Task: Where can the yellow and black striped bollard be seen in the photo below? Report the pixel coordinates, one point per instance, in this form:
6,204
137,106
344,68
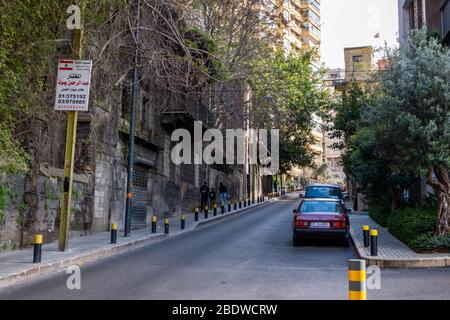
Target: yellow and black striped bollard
37,252
222,209
357,280
166,226
373,243
183,222
366,236
154,221
114,228
206,212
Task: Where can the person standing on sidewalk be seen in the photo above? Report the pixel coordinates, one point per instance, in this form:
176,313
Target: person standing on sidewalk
223,194
204,195
212,197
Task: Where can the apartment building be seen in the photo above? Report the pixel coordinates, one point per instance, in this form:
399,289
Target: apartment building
359,63
300,25
434,14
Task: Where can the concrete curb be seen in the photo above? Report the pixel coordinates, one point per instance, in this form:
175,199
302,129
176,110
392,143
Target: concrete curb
232,213
425,262
42,269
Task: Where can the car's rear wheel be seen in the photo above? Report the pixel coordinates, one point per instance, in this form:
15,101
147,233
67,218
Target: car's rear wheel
296,242
346,242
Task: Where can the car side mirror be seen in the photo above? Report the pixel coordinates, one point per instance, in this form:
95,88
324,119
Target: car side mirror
295,211
347,210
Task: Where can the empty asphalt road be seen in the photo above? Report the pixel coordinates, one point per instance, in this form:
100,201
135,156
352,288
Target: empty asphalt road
248,256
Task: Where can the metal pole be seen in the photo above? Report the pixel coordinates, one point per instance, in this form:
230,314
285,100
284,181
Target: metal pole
132,125
69,156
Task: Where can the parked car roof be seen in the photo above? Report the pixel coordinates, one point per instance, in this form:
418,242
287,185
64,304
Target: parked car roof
324,185
321,199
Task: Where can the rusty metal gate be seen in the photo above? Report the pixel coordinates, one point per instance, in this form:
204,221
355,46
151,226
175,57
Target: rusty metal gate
139,203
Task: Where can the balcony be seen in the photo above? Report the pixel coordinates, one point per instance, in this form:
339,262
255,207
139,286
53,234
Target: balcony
312,4
445,11
190,109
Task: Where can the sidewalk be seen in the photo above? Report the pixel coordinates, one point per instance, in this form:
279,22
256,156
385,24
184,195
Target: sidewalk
16,266
392,253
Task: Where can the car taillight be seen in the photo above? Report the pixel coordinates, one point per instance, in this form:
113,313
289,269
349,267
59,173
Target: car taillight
340,224
301,223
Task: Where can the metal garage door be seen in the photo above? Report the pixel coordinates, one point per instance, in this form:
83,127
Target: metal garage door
139,203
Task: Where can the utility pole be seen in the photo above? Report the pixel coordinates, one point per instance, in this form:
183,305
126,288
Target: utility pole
131,156
69,157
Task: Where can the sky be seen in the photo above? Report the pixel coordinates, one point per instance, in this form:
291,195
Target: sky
354,23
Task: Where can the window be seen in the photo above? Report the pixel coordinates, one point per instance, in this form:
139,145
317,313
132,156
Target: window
323,192
287,45
320,206
357,58
314,30
286,16
419,14
412,22
313,17
357,62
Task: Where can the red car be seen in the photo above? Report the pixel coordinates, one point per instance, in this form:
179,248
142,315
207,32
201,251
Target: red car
321,218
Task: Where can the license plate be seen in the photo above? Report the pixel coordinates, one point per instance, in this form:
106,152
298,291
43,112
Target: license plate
320,225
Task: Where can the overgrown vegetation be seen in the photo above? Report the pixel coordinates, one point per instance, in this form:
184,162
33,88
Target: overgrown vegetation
398,131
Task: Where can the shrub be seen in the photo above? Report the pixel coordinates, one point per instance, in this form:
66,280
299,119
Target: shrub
430,242
380,209
410,223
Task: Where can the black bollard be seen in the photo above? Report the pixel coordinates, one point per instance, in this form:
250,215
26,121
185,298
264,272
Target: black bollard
166,226
154,220
222,209
37,252
183,222
114,233
196,214
215,210
206,212
366,236
373,242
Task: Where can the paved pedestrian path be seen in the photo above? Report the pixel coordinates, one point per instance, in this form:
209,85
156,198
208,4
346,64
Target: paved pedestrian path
391,251
17,266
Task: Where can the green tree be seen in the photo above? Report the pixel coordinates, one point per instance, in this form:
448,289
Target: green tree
411,117
286,95
361,157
